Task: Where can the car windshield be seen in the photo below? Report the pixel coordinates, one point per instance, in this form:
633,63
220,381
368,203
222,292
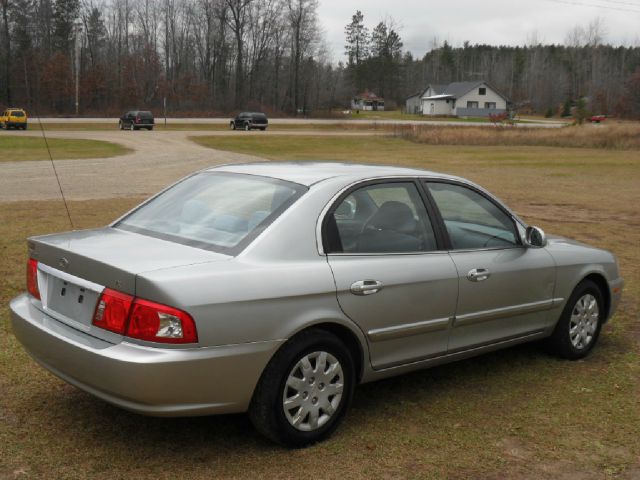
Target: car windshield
223,212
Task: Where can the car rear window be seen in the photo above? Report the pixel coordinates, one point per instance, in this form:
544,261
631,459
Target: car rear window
259,116
222,212
145,115
17,113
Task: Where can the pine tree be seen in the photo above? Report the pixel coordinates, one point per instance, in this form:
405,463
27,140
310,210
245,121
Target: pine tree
65,14
357,50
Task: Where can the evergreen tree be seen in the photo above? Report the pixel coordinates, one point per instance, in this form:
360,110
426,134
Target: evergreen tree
357,50
65,14
96,34
386,59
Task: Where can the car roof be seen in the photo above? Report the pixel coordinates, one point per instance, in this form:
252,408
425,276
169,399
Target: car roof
308,173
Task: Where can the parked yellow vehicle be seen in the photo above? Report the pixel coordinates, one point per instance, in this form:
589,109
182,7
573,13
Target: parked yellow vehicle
13,118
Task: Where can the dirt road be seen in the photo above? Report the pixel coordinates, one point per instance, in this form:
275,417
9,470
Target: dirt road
158,159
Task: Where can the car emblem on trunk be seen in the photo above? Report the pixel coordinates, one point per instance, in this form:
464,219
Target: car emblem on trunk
63,263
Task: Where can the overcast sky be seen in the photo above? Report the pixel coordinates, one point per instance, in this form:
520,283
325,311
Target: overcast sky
506,22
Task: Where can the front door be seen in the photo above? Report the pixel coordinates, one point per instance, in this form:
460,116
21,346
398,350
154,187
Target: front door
392,277
505,288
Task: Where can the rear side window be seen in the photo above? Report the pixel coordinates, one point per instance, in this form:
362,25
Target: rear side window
471,219
380,218
17,114
216,211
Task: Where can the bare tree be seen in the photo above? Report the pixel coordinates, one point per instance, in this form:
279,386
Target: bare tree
303,22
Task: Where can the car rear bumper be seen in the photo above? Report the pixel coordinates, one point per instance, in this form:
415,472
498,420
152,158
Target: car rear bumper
147,380
16,124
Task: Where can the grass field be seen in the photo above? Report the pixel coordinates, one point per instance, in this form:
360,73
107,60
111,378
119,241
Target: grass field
518,413
15,148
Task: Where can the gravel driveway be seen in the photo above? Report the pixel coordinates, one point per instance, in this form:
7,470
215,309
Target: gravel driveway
158,159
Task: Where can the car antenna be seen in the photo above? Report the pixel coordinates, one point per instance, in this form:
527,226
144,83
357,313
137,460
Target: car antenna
55,171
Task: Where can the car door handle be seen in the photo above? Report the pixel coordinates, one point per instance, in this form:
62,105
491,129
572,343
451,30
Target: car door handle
366,287
478,275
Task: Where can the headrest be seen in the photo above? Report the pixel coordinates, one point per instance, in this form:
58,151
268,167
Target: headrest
393,216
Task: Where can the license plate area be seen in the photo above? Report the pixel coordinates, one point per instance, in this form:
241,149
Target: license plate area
70,299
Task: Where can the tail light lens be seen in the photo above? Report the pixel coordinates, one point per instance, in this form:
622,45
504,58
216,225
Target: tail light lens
160,323
142,319
32,278
137,119
112,311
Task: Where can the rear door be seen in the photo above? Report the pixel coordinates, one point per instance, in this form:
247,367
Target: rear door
505,288
393,278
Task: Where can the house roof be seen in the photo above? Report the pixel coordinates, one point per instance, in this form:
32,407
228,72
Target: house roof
416,94
367,95
438,88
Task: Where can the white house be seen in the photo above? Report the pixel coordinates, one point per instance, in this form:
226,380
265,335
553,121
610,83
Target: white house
463,99
413,103
367,101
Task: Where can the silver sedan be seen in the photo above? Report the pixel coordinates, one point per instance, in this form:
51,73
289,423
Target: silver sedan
275,288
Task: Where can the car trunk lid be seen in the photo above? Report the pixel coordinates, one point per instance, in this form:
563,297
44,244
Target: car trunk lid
74,268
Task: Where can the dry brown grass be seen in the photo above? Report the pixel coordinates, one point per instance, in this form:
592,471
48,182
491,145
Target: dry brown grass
617,136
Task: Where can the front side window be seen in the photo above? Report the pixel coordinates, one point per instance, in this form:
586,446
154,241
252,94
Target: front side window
380,218
217,211
471,219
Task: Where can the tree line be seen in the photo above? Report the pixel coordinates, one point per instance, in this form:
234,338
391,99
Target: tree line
198,55
218,56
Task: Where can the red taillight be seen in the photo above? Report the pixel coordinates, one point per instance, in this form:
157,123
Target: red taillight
142,319
32,278
159,323
137,119
112,311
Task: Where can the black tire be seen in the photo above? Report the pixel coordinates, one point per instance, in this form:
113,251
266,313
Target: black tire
559,343
232,125
263,128
132,127
247,127
149,128
24,127
267,411
120,125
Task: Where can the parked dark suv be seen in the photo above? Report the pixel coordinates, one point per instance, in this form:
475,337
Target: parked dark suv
249,120
136,119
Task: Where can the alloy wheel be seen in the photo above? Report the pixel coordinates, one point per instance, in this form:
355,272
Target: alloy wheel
584,321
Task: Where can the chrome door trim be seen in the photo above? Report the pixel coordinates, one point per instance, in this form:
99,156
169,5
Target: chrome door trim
408,177
417,328
513,310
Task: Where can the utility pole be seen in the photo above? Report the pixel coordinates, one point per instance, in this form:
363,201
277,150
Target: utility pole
78,45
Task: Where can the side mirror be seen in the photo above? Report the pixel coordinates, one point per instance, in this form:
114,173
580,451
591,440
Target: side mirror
535,237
